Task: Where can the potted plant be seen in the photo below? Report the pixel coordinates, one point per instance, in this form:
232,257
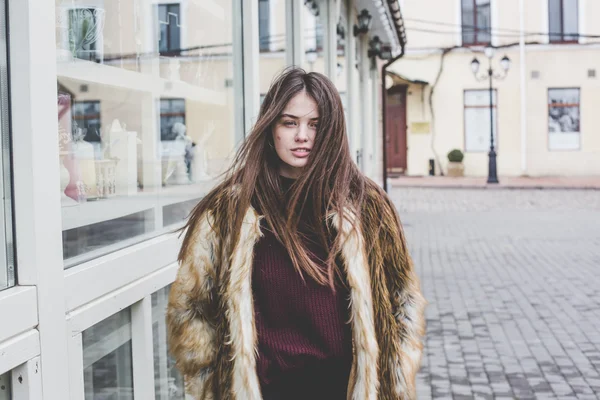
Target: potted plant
455,165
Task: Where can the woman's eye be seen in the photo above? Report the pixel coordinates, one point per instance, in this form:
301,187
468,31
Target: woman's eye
289,123
314,126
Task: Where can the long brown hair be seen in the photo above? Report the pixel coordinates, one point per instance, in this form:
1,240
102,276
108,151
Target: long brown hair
330,180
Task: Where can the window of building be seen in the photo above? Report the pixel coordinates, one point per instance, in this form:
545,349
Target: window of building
564,129
7,260
107,360
124,179
476,22
477,120
172,111
168,382
264,25
563,20
170,29
86,117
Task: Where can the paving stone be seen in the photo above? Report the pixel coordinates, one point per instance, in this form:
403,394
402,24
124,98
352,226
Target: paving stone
512,281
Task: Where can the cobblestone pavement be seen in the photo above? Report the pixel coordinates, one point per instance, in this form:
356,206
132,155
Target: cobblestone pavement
513,283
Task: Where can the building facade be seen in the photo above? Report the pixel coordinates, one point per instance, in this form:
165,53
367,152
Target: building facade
543,106
117,116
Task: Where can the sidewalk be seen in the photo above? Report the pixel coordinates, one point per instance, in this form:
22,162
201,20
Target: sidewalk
588,182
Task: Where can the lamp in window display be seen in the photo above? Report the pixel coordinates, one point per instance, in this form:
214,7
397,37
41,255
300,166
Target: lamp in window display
175,170
490,75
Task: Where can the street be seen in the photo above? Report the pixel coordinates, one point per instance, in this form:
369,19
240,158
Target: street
513,283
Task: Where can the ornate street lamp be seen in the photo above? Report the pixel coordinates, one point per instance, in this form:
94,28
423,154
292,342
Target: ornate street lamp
505,65
374,47
364,23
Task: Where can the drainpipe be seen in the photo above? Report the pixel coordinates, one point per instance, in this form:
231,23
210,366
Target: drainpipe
384,113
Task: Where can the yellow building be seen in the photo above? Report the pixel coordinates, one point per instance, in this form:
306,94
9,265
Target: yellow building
544,118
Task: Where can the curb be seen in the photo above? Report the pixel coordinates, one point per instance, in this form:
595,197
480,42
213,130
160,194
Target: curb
495,187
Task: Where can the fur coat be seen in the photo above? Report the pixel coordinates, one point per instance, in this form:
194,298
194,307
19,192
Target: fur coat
211,327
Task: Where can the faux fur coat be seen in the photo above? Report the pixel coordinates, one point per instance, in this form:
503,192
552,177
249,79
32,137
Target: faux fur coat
211,326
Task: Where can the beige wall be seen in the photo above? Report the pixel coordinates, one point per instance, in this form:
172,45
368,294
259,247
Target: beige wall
558,66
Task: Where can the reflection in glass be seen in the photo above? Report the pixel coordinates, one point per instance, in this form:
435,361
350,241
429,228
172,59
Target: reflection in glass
168,382
146,110
107,361
7,262
5,389
272,39
313,42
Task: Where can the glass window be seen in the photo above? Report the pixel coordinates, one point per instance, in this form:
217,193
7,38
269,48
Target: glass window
477,120
314,31
146,115
272,39
341,71
476,21
564,20
168,382
564,128
7,261
5,389
107,361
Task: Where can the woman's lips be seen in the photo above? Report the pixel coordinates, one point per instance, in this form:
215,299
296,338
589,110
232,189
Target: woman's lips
299,153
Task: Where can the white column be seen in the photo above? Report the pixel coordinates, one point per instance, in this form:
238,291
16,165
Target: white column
142,349
238,73
37,180
523,73
331,19
251,58
364,98
294,32
351,82
27,381
375,131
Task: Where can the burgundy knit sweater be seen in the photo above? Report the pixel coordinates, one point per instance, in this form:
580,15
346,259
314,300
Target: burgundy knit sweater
304,338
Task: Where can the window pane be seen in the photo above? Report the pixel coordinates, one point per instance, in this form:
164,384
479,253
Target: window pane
563,119
5,389
272,33
555,20
146,111
468,22
477,121
571,19
484,21
264,25
7,262
312,25
168,382
107,361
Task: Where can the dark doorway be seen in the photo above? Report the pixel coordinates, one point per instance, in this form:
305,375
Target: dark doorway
395,135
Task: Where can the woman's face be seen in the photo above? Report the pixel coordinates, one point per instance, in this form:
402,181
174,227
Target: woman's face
294,134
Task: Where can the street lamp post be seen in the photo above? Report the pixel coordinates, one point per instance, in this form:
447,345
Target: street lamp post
505,65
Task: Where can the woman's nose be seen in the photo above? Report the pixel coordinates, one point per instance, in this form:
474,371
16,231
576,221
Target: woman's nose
302,135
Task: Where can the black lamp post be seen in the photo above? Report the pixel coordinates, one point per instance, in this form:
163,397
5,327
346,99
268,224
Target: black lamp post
505,65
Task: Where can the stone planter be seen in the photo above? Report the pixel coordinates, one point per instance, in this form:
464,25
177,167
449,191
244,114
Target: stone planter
456,169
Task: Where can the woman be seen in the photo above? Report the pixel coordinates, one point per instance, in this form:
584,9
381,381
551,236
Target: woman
295,279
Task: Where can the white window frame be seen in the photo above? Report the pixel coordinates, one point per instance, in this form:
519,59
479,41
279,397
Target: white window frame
44,336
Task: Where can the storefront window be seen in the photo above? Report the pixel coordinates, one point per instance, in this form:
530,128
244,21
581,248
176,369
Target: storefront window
146,113
168,382
7,263
5,389
107,361
314,37
272,39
